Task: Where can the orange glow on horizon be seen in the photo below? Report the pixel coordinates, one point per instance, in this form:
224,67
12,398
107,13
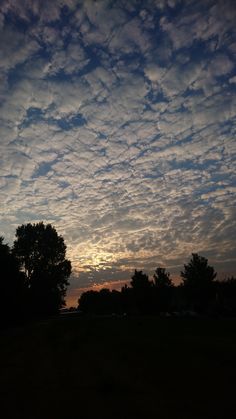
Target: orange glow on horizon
73,295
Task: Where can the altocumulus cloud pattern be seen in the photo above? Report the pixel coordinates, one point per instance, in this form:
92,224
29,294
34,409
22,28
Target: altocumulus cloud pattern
118,126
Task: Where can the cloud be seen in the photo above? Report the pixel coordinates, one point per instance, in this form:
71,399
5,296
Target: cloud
15,50
117,126
232,79
71,60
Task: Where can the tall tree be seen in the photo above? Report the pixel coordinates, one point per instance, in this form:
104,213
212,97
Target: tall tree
140,281
41,253
197,271
198,279
142,291
163,290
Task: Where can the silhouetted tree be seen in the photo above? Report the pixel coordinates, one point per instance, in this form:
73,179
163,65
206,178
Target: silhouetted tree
198,279
41,255
162,290
100,302
226,296
128,300
88,302
162,278
198,271
140,281
11,284
142,291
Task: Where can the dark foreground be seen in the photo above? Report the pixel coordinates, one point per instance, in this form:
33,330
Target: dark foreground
79,367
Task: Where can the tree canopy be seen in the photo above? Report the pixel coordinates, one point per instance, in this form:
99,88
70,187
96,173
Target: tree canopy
162,278
197,271
140,281
41,254
198,284
11,281
34,277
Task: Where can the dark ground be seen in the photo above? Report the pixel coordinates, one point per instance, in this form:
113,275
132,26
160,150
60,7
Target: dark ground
116,368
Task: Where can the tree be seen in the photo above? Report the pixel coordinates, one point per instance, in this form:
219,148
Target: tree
197,271
163,288
11,284
100,302
140,281
226,296
88,302
198,279
142,292
162,278
41,254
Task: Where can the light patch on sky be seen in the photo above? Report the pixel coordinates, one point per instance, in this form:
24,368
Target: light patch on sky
117,125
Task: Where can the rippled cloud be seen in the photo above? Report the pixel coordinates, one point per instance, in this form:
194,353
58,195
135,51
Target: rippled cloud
118,126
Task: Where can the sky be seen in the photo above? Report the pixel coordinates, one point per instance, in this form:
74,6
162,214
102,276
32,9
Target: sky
117,126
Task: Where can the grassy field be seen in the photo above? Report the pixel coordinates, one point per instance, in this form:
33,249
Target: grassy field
81,367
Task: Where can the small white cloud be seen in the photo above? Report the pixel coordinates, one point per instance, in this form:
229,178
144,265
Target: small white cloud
232,79
155,73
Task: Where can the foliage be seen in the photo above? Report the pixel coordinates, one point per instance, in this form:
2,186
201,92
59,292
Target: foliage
198,279
35,272
226,296
199,293
41,256
142,292
163,285
162,278
100,302
140,281
197,271
11,283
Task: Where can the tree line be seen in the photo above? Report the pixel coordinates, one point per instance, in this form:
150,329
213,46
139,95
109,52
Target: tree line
198,293
34,278
34,273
